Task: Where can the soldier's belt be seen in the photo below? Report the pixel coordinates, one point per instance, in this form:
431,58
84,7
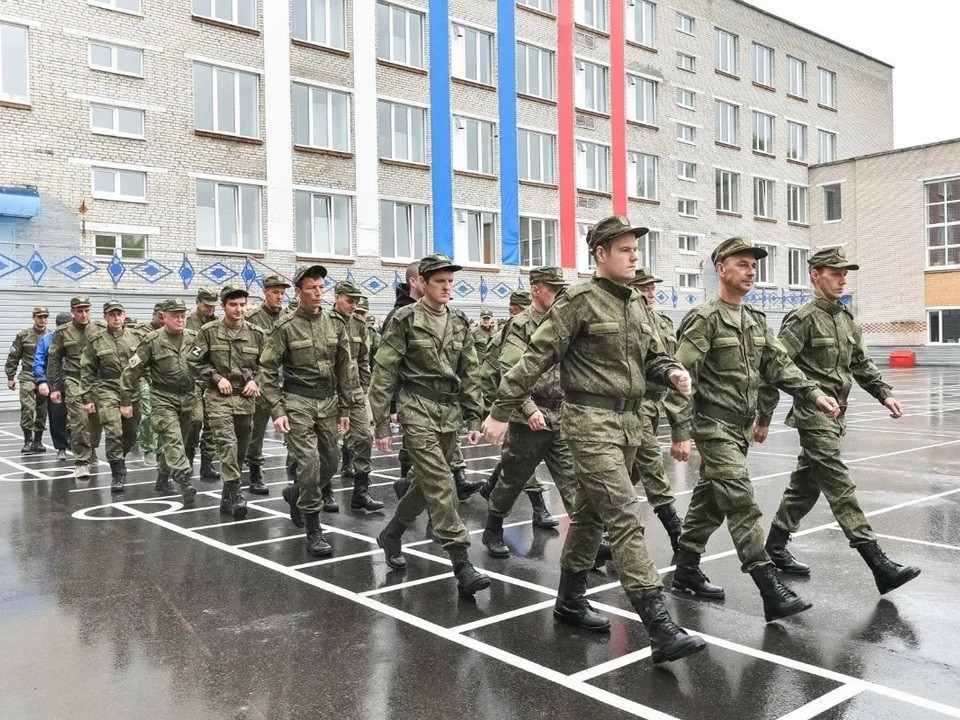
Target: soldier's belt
546,403
438,396
603,402
720,413
171,388
320,392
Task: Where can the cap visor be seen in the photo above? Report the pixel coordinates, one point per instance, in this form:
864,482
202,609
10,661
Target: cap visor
639,231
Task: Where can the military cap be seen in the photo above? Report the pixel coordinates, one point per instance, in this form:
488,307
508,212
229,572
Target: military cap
548,276
81,301
832,258
735,245
208,296
350,289
371,319
228,292
294,303
486,312
363,305
129,321
309,271
111,305
158,306
521,298
40,311
63,318
174,305
645,276
435,263
274,281
611,228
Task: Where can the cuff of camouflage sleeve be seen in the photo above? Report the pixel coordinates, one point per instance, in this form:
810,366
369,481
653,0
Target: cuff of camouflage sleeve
679,433
884,395
764,420
815,395
279,411
500,413
382,430
528,407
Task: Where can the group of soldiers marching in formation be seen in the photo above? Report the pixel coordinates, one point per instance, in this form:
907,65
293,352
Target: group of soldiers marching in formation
577,378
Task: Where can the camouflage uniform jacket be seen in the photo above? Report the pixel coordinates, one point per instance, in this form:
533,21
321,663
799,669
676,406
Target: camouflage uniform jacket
359,346
490,373
373,342
411,355
520,331
482,339
265,318
237,358
196,320
21,353
172,371
309,354
600,334
825,342
727,364
103,363
66,349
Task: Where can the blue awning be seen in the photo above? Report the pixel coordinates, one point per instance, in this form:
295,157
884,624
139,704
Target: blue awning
19,202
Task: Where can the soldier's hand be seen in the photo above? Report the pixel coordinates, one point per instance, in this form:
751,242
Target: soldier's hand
829,406
760,433
56,397
225,387
126,411
681,381
385,444
11,384
343,427
473,436
43,389
680,450
90,408
495,430
281,425
251,389
393,418
537,421
895,408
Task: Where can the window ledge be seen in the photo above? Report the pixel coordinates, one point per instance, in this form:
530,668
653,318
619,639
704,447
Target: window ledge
759,218
401,66
794,223
535,98
594,193
832,222
720,143
686,179
827,107
593,113
226,136
317,46
761,153
404,163
641,46
645,201
474,174
536,11
15,105
728,213
641,124
537,184
798,162
232,252
322,151
225,25
582,274
726,74
397,262
106,133
473,83
593,30
338,259
763,86
111,71
133,201
797,97
688,252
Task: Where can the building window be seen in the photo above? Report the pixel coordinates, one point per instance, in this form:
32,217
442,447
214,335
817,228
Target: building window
403,230
593,166
130,6
726,46
591,86
472,52
687,243
125,247
688,279
118,59
727,122
543,5
686,207
763,197
686,170
235,12
686,98
796,77
536,153
643,175
586,262
828,88
124,185
798,272
322,22
228,215
647,247
476,231
831,202
321,118
944,326
728,191
226,101
796,203
685,23
686,133
641,100
592,13
797,141
762,132
535,71
766,267
538,240
686,62
14,63
115,120
473,145
763,64
828,146
323,224
641,22
401,132
943,223
399,35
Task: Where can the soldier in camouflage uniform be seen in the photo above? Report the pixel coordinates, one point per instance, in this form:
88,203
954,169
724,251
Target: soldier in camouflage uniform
266,318
33,405
164,355
728,349
207,299
370,322
228,355
100,368
63,367
599,333
483,334
428,353
310,381
147,439
825,342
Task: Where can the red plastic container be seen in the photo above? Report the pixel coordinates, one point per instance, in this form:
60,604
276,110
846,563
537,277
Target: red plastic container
903,359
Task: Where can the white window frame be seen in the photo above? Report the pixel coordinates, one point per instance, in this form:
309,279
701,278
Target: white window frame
530,170
115,50
767,267
796,141
682,129
22,64
764,190
686,62
198,8
545,71
243,107
797,271
593,163
687,170
828,205
727,47
586,263
332,244
948,224
648,247
592,78
410,19
117,193
116,112
828,145
688,279
477,250
113,5
641,99
763,132
688,244
938,311
727,123
333,118
408,210
330,30
467,47
479,158
598,8
641,22
684,205
541,5
118,249
797,204
796,77
642,171
727,190
828,88
686,93
244,205
763,64
548,241
685,23
411,146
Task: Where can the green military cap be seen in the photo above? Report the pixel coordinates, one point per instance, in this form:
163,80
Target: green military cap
547,276
363,305
435,263
735,245
129,321
208,296
831,258
158,306
611,228
111,305
41,311
521,298
350,289
81,301
228,292
174,305
645,276
371,319
274,281
486,312
311,271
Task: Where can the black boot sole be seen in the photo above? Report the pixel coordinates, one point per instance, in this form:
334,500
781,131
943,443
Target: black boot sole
296,517
375,506
189,494
545,524
685,589
474,586
903,579
576,621
321,551
794,608
258,490
117,488
330,508
690,645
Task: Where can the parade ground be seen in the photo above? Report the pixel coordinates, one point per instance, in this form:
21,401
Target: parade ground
129,606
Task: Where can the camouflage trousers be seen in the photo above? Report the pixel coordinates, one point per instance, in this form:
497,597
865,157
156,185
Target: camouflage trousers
607,498
312,446
230,421
120,433
523,450
359,440
261,418
820,470
648,469
85,428
33,407
432,488
173,422
724,492
203,434
146,439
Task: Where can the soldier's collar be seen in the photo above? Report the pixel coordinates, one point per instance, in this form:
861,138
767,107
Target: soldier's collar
829,306
625,292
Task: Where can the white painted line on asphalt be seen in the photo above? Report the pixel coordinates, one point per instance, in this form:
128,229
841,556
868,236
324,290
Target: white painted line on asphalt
328,561
409,583
24,469
494,619
610,665
268,541
234,523
917,542
824,702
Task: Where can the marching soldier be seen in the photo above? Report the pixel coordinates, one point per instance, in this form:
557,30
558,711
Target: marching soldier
483,334
56,412
206,312
33,405
370,321
147,439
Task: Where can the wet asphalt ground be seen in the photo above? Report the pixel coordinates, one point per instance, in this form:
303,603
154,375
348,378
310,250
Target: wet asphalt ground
131,607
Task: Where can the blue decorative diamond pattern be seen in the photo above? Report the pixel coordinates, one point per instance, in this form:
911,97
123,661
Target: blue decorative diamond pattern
151,271
187,273
463,288
520,284
115,269
75,267
691,299
8,265
501,290
249,274
349,277
752,298
218,273
37,267
662,297
373,285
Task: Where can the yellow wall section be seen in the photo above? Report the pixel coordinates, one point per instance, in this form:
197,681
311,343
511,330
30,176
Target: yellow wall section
942,289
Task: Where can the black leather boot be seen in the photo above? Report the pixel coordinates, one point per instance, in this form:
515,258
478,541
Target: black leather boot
316,543
187,491
572,606
207,470
401,485
493,537
887,574
361,499
389,540
118,471
163,484
671,523
291,471
330,504
232,501
668,641
689,578
27,441
291,493
779,601
486,489
346,462
541,516
38,446
604,553
256,481
465,488
469,580
776,547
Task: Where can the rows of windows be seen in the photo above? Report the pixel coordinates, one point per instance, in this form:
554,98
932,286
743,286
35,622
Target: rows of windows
943,223
726,130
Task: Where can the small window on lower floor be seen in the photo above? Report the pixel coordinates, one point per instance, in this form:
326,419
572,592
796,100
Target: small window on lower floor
944,326
831,202
689,279
126,247
686,207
